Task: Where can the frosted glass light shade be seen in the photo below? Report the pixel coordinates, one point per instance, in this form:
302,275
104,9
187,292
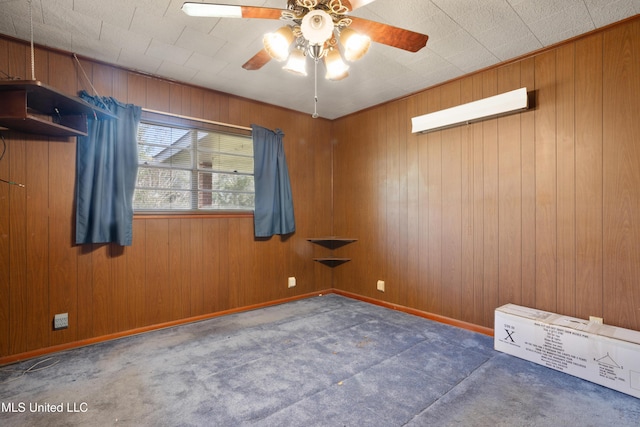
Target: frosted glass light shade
355,44
317,27
277,44
297,63
336,67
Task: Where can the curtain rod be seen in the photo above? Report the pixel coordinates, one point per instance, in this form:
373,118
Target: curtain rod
180,116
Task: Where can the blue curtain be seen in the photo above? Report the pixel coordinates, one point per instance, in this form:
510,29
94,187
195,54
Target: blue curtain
106,170
274,202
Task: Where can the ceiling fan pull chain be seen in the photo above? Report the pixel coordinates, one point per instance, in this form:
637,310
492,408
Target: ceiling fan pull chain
315,96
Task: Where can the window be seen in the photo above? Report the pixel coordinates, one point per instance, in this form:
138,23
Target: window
188,165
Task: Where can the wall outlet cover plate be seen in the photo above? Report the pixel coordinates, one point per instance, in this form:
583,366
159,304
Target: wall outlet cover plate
60,321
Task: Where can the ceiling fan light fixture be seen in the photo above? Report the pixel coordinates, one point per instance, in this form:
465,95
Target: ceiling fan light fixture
355,44
336,67
317,27
212,10
277,44
297,63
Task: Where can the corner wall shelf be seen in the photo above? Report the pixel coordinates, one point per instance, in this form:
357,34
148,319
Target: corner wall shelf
32,107
332,242
332,261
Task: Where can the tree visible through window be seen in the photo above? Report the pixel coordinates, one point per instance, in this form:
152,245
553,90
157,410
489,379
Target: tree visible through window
193,166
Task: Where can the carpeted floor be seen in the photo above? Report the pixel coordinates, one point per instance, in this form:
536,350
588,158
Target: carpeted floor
323,361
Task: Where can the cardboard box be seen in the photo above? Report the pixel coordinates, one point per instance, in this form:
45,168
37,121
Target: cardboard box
603,354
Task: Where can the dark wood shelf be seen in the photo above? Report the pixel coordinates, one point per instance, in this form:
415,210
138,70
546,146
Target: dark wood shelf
332,261
332,242
32,107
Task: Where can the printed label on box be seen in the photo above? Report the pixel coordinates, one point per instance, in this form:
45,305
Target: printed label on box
570,345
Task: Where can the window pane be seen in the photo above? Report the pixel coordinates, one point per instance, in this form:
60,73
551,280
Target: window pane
219,201
233,191
225,143
153,199
225,163
163,145
168,157
188,168
163,178
225,153
163,136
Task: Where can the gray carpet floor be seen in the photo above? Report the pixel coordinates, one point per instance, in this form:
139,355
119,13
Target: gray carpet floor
322,361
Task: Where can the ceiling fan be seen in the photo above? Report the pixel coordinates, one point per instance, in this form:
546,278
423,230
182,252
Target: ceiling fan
320,29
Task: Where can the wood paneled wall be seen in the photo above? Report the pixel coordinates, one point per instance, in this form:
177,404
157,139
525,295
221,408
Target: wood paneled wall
540,208
176,268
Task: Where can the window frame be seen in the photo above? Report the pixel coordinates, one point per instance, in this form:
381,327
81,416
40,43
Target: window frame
167,119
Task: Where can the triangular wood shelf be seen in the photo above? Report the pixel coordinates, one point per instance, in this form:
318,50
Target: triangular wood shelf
332,261
332,242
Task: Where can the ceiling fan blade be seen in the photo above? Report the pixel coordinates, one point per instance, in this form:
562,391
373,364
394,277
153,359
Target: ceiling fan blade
261,12
354,4
215,10
389,35
258,61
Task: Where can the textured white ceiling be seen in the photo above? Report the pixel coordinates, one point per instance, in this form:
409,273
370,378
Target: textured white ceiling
155,37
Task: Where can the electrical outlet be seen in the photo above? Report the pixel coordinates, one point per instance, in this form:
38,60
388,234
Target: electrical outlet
60,321
380,285
292,282
594,319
